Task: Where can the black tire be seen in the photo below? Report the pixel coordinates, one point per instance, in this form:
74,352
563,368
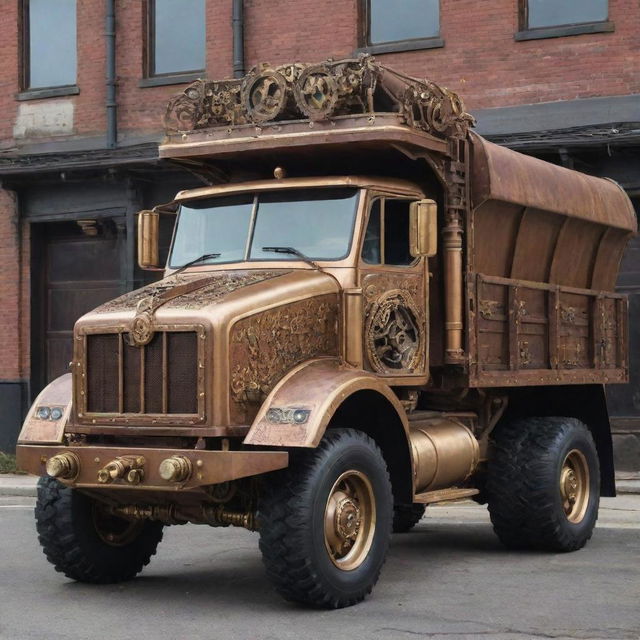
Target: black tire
407,516
532,500
297,552
73,532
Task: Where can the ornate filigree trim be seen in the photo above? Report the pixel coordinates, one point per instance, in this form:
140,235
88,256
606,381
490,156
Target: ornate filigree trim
267,345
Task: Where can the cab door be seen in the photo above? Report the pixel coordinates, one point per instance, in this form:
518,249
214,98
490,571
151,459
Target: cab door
395,295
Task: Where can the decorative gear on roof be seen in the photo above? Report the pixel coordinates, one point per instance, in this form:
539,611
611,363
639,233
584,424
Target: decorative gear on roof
318,92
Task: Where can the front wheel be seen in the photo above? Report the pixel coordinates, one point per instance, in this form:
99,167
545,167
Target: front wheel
85,542
325,522
543,484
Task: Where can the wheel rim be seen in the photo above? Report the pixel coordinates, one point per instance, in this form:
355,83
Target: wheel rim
574,485
349,520
114,531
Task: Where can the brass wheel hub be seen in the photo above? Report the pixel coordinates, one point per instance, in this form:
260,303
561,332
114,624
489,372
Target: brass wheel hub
574,486
349,520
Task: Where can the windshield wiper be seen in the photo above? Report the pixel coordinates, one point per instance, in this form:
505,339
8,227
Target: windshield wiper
294,252
202,258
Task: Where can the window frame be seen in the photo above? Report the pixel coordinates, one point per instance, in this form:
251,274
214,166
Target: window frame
26,92
557,31
150,77
383,264
410,44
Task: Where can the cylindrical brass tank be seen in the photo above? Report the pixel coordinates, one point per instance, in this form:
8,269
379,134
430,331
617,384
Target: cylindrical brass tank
445,453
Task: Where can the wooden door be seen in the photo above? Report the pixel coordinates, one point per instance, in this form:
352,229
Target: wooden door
77,270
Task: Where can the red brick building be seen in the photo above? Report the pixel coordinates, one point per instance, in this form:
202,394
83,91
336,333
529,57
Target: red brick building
84,83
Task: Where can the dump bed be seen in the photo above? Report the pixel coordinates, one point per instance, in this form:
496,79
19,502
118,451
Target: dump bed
546,245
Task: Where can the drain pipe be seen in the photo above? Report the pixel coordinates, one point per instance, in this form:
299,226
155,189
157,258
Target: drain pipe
110,33
238,38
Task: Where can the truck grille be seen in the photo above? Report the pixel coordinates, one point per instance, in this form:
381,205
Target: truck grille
158,378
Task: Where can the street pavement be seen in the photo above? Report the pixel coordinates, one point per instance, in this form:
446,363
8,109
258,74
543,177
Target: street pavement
450,578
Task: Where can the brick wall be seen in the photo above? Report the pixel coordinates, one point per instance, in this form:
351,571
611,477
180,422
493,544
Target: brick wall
480,58
14,292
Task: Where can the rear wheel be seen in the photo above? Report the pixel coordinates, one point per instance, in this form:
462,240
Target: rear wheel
325,521
543,484
87,543
407,516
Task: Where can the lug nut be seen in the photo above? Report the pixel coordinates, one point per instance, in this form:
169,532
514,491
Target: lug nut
175,469
64,465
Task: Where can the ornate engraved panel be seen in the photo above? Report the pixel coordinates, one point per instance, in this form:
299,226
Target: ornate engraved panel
267,345
395,331
205,290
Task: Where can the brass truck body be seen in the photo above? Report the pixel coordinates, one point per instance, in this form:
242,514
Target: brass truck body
441,299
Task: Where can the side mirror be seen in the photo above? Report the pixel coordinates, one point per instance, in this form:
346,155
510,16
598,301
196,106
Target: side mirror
148,240
423,228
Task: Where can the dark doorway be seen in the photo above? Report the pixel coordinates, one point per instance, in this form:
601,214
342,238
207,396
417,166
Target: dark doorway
76,266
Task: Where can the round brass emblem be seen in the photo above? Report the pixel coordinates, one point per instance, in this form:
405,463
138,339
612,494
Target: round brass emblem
141,331
393,333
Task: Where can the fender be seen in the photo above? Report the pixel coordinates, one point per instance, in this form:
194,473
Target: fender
315,389
56,395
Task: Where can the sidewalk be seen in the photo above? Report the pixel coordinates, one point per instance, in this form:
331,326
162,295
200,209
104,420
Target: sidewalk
15,485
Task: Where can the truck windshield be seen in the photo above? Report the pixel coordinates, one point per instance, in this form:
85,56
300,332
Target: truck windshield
317,222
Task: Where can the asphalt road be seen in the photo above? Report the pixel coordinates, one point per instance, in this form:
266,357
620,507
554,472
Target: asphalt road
450,578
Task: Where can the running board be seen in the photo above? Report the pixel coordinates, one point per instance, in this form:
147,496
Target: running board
442,495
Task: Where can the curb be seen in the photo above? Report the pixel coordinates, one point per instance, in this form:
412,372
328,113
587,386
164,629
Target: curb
26,486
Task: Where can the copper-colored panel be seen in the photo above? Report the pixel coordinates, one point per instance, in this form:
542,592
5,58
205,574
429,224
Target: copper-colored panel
496,228
607,264
535,245
504,175
575,254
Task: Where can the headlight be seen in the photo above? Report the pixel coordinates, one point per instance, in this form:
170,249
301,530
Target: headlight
289,415
43,413
300,416
56,413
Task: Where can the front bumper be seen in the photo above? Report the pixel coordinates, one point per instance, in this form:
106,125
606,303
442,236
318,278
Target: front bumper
204,467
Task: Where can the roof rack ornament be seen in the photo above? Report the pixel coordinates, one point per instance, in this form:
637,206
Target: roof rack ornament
317,92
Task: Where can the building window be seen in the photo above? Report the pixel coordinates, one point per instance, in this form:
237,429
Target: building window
553,18
176,38
49,43
390,25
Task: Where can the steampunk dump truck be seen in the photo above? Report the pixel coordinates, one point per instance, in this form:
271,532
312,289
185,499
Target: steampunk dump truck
367,309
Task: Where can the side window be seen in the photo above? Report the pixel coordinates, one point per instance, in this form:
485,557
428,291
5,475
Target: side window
386,239
396,232
48,43
176,37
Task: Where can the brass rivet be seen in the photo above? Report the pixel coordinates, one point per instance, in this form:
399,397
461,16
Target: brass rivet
199,463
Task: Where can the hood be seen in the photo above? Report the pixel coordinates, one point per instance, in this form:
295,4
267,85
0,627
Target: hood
212,295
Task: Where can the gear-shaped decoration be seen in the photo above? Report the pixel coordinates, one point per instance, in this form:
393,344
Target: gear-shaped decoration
316,92
393,334
265,95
